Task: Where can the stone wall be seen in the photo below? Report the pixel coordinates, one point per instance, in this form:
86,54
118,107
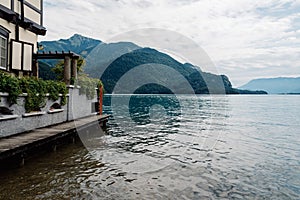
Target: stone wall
77,106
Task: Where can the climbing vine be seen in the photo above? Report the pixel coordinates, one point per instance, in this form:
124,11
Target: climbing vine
10,84
36,90
88,85
56,88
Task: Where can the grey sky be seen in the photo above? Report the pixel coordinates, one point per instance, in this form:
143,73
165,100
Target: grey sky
245,39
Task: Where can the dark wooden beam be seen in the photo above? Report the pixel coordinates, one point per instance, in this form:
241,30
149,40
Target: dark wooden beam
42,12
32,7
12,5
7,14
22,10
56,55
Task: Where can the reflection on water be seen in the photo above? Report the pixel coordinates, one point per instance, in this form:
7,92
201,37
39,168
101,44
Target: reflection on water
144,108
168,147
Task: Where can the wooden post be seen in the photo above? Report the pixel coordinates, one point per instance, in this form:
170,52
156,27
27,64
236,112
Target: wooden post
22,161
35,69
74,69
67,70
100,100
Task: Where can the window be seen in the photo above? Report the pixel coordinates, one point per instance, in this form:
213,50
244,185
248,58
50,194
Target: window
3,52
21,55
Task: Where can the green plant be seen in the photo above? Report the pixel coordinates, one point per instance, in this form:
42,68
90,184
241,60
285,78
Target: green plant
36,93
35,88
10,85
88,85
55,88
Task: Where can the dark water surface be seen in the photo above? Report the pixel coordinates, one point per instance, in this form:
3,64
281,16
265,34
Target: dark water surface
167,147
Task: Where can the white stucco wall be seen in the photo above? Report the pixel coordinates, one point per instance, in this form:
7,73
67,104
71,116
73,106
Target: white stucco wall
35,3
27,36
5,3
10,27
32,15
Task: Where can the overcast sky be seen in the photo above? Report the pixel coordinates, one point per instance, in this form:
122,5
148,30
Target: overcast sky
245,39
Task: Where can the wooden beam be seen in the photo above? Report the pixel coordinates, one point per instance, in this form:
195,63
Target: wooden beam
54,55
35,69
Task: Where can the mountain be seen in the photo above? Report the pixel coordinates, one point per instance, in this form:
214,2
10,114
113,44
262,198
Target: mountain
274,85
94,51
162,69
104,54
110,62
77,43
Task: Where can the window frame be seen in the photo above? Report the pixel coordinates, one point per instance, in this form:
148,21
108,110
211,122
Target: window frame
6,52
22,43
4,33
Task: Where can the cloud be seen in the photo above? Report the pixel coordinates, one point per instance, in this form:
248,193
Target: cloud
239,35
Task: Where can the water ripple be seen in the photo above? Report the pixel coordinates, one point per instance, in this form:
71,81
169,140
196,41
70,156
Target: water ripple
230,147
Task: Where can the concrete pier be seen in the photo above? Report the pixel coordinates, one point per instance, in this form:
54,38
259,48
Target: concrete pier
16,147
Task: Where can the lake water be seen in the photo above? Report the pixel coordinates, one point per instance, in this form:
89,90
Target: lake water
167,147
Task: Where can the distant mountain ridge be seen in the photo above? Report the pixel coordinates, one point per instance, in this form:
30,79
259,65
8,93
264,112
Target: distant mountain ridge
277,85
197,79
111,61
104,54
85,47
78,44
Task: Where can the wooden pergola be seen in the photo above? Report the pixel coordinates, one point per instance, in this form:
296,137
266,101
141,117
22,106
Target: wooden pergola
70,63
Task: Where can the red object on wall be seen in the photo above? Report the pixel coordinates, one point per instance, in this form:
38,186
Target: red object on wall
100,100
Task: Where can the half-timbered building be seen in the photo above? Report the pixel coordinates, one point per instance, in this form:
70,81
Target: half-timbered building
21,22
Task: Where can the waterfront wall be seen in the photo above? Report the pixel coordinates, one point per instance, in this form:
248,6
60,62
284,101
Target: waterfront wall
79,105
19,121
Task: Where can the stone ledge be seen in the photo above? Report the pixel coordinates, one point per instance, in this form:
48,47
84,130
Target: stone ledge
55,111
8,117
4,94
33,114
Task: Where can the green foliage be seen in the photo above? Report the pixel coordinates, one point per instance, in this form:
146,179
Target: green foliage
59,70
55,88
88,85
10,84
45,71
36,93
35,88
